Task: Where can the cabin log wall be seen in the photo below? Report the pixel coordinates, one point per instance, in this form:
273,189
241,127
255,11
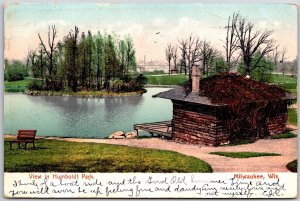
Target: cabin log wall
200,124
197,125
277,124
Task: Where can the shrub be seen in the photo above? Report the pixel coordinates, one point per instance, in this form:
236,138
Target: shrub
15,71
292,166
244,154
141,81
284,136
14,76
117,85
36,85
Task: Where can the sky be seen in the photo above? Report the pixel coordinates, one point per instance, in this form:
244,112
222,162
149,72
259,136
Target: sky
23,22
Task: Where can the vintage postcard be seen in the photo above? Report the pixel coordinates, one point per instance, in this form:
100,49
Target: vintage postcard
149,100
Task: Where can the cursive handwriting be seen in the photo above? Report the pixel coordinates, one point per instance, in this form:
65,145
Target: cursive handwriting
143,185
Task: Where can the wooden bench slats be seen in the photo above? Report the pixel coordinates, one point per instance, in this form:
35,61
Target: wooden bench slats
29,134
24,136
26,131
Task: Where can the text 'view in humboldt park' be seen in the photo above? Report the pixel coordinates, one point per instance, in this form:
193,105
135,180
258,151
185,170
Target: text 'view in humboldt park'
150,87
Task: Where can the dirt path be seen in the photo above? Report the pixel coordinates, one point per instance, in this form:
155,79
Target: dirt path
286,147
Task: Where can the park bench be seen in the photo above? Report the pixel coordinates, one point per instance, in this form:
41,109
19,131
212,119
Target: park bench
23,138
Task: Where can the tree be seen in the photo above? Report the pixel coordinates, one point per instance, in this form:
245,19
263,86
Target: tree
61,66
86,61
122,55
41,62
71,59
208,53
219,65
275,57
32,58
126,57
168,52
250,42
50,51
174,56
100,59
294,67
90,46
83,60
82,63
130,55
263,70
282,60
230,44
112,69
191,54
183,64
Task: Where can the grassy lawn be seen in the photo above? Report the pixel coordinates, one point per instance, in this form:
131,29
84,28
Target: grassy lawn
62,156
167,79
292,166
284,79
17,86
292,116
284,136
156,72
287,82
243,154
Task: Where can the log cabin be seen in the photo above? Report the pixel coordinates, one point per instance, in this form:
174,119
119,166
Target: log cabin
225,108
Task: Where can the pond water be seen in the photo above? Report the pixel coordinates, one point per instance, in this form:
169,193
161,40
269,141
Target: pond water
82,117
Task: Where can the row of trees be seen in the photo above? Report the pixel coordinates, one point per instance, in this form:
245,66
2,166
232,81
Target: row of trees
83,61
249,50
193,50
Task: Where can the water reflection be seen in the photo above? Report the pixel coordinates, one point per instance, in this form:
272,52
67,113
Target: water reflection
120,108
82,117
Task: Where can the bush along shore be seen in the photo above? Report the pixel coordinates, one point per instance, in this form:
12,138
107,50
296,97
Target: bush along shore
88,94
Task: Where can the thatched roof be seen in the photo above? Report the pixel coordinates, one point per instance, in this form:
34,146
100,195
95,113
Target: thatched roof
228,89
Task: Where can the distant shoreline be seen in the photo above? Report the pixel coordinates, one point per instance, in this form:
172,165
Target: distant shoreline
160,86
8,90
85,94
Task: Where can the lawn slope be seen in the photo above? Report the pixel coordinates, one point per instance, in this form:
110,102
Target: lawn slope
62,156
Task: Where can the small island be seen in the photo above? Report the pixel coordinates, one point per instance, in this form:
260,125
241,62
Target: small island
83,65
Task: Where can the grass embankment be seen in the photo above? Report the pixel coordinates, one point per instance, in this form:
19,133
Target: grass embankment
17,86
292,116
166,79
287,82
292,166
156,72
21,86
243,154
290,84
284,136
62,156
280,136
